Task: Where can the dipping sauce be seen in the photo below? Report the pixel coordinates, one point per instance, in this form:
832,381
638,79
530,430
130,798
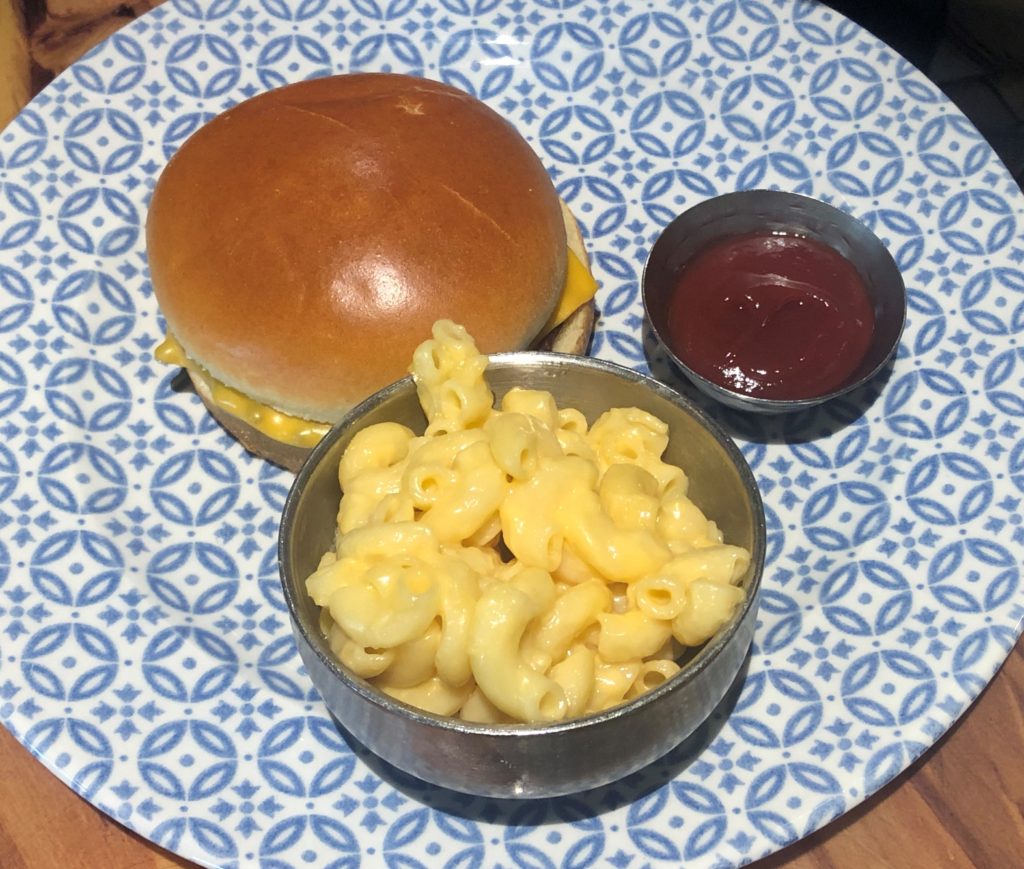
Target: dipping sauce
771,316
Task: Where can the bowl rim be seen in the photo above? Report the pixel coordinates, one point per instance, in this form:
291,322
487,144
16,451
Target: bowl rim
742,400
689,672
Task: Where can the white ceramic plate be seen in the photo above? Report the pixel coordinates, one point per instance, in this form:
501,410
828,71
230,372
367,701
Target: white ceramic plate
146,655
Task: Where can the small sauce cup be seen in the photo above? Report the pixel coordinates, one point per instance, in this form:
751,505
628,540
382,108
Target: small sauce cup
709,225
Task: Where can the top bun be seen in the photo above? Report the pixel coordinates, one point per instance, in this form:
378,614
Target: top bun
303,243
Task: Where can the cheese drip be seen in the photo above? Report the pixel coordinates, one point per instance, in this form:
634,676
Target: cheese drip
282,427
579,288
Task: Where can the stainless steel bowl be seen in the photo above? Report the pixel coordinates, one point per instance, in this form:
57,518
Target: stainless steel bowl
524,760
748,211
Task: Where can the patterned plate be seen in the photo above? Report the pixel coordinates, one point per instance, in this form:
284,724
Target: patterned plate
146,655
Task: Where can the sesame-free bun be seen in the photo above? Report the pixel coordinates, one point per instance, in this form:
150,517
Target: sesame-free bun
572,335
302,243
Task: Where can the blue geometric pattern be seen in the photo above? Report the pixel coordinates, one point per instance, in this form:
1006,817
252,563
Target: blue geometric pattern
146,653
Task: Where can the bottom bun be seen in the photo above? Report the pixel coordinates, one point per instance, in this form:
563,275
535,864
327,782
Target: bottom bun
255,441
571,336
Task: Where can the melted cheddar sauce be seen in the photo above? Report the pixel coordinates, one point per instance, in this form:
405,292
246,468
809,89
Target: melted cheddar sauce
580,287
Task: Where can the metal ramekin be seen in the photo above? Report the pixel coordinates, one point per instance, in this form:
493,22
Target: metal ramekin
528,761
735,214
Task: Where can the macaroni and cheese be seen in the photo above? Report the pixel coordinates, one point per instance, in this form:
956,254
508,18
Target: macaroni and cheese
516,563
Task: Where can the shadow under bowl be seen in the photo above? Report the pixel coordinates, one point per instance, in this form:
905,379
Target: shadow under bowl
530,761
772,211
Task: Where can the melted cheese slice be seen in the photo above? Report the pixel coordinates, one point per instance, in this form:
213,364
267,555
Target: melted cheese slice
579,288
283,427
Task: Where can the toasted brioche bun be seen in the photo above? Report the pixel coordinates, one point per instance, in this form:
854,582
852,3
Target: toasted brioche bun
303,242
571,336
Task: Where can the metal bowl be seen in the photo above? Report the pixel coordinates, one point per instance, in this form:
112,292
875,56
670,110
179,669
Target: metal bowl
528,761
734,214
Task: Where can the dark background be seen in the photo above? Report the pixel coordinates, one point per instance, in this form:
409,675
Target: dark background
972,49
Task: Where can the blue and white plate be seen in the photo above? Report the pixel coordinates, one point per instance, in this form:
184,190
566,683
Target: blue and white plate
146,654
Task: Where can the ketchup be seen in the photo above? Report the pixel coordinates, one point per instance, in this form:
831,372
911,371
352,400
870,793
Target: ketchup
772,316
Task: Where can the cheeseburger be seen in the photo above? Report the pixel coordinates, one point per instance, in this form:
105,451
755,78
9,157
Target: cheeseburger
303,243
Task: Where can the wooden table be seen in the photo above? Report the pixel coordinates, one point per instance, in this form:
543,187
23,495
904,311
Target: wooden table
960,805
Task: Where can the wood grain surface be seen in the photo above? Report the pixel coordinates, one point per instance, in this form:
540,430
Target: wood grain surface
961,805
15,66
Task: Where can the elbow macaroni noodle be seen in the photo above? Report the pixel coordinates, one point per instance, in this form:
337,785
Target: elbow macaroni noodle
514,564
